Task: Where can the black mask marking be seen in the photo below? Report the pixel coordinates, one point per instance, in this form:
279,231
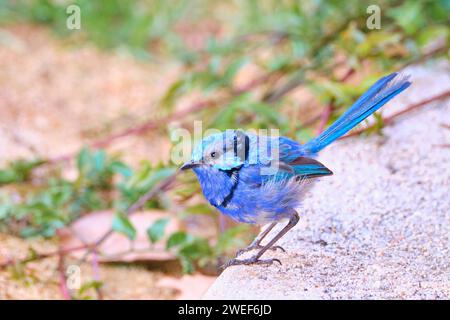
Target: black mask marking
233,174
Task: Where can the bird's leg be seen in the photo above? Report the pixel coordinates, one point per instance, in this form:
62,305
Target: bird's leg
256,244
255,259
292,222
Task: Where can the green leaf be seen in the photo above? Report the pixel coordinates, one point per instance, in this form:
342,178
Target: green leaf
123,225
195,248
233,69
278,63
5,210
18,171
121,168
409,16
175,90
231,238
189,249
156,231
147,177
7,176
99,160
268,112
432,33
187,265
377,126
199,209
177,238
83,159
28,232
90,285
84,289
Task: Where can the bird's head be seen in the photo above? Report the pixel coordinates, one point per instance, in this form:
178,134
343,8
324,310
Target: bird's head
223,151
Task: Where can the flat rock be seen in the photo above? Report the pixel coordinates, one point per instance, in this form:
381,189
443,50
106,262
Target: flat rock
379,228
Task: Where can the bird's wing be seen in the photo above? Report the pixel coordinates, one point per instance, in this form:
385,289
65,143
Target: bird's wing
291,162
294,162
308,168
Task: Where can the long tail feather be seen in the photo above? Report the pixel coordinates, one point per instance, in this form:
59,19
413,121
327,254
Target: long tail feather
379,94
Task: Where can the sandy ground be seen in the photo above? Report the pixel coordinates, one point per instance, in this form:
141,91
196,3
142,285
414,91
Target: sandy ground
40,280
120,281
55,97
380,227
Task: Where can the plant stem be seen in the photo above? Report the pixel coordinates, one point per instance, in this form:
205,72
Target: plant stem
62,277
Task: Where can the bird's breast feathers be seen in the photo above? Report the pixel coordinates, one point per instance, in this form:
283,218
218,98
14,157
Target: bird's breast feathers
246,196
254,178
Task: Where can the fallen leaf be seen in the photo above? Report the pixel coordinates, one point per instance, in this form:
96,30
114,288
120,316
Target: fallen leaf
189,287
117,248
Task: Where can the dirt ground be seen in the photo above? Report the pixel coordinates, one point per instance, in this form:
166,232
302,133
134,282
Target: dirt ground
54,98
40,280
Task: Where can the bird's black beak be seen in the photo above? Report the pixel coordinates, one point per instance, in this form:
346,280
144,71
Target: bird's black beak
189,165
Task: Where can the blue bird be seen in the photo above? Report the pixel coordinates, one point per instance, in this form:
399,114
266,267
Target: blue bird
261,179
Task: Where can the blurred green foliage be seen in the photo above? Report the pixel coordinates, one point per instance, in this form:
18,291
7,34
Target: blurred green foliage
49,204
290,44
102,182
18,171
303,43
84,293
135,25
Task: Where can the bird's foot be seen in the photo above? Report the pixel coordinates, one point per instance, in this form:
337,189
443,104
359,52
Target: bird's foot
257,246
250,261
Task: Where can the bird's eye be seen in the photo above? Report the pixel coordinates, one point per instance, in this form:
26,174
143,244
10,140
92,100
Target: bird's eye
213,154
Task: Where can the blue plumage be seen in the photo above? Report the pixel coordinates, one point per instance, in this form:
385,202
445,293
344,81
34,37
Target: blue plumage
381,92
260,179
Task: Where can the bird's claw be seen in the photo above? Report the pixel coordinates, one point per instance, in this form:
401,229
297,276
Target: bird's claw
257,246
250,261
